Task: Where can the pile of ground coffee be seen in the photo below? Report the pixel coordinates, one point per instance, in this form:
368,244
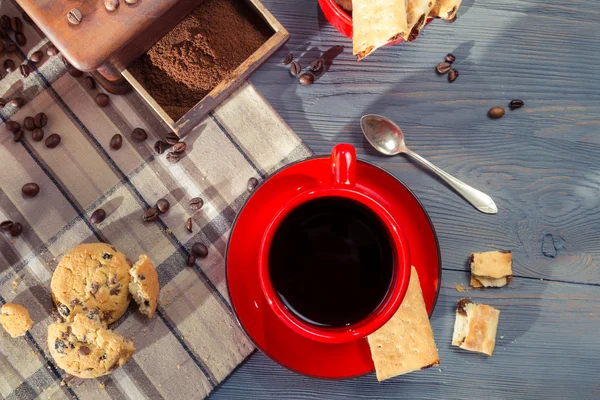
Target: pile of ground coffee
199,53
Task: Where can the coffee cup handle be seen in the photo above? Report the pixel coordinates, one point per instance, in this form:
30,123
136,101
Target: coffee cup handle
343,165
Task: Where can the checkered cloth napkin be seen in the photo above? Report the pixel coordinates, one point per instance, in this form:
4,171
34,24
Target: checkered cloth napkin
194,342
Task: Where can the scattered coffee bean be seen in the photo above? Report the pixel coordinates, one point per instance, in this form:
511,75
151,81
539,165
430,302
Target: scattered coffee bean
443,68
74,72
160,147
200,250
453,75
18,136
139,135
21,39
52,141
306,79
3,34
74,16
188,225
191,260
111,5
295,68
17,102
40,120
252,184
6,226
9,65
25,70
496,112
2,101
13,126
10,47
287,59
116,141
98,216
30,189
179,147
16,229
37,135
131,2
5,22
102,99
90,82
29,124
173,157
316,65
151,214
163,205
51,50
172,138
16,24
514,104
196,203
450,58
1,44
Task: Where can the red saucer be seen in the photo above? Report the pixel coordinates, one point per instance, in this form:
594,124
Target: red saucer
265,329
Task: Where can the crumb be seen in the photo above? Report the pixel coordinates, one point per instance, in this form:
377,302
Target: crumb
62,383
102,386
460,288
501,337
178,366
439,369
15,283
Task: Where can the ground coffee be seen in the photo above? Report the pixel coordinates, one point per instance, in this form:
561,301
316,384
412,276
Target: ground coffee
199,53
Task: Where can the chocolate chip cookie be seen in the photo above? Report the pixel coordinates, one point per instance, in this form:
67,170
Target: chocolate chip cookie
15,319
87,350
144,286
92,279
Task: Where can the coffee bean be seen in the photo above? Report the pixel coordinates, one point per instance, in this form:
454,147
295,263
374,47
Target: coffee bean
295,68
160,146
29,124
453,75
252,184
5,22
514,104
131,2
450,58
151,214
173,157
3,34
13,126
287,59
17,102
199,250
496,112
139,135
179,147
30,189
191,260
172,138
51,50
6,226
188,225
16,229
52,141
102,99
163,205
18,136
74,16
316,65
25,70
1,44
2,101
9,65
98,216
16,24
443,68
21,39
10,47
196,203
74,72
40,120
90,83
306,79
116,141
37,135
111,5
27,18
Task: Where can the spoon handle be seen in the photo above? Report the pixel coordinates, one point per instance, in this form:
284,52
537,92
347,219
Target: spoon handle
480,200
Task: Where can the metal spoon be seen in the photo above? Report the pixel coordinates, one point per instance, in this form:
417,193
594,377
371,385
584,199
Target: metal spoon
387,138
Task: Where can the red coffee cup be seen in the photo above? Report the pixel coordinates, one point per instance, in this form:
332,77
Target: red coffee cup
341,182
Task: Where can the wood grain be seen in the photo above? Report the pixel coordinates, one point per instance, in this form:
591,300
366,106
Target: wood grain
540,164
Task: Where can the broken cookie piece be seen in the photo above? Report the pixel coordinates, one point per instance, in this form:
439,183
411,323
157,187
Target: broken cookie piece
15,319
475,327
144,286
405,343
491,268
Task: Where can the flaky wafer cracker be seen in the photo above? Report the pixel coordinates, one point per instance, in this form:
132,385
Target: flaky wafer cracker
445,9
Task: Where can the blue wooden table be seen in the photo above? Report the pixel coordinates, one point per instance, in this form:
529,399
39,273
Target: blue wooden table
541,164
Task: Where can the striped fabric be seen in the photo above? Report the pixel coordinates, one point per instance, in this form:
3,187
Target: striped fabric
194,342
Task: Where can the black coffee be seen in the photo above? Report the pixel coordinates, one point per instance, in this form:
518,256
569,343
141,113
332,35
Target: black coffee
331,262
